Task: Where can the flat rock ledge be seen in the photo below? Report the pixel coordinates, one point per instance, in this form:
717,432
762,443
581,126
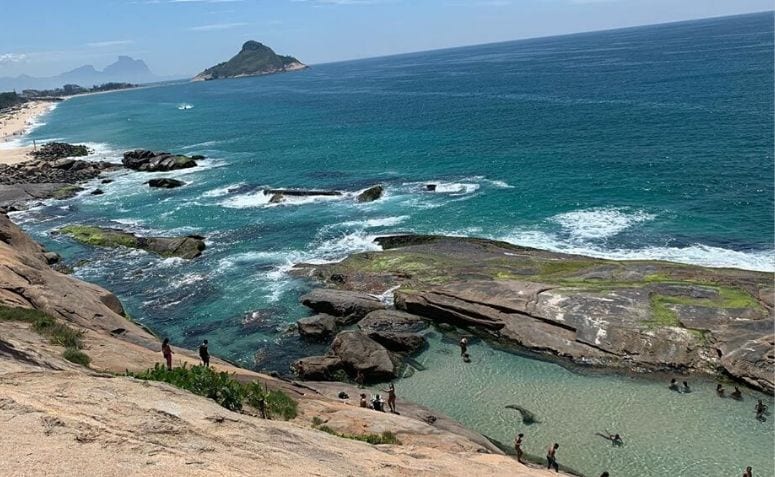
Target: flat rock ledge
640,315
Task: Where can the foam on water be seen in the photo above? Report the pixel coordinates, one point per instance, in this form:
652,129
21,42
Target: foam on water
600,223
222,191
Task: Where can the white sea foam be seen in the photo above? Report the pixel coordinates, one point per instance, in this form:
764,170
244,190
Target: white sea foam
184,106
259,199
222,191
696,254
373,223
600,223
455,188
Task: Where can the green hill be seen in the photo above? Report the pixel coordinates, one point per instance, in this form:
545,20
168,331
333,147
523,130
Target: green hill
254,59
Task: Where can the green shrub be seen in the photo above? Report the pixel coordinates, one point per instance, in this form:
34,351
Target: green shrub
223,389
316,421
76,356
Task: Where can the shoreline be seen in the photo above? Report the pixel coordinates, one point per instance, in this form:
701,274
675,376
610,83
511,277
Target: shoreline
15,124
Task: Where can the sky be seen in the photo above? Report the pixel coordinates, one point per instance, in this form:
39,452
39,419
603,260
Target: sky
182,37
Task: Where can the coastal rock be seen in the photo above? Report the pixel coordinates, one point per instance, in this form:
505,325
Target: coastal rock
407,343
392,321
358,352
184,247
371,194
317,327
149,161
301,192
317,368
347,306
57,150
97,192
645,315
430,187
277,199
165,183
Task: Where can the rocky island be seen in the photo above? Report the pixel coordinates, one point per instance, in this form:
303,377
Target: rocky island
254,59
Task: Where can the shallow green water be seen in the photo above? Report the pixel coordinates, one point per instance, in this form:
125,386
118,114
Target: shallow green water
665,433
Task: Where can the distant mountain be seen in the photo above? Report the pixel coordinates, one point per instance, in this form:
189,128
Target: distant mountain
123,70
254,59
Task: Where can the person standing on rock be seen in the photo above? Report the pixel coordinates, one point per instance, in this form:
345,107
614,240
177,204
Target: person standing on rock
204,353
391,390
463,346
166,351
518,447
551,457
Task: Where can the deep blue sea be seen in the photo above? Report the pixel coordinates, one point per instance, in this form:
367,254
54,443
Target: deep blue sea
649,142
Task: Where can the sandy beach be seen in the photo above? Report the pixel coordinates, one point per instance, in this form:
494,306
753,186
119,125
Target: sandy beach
13,124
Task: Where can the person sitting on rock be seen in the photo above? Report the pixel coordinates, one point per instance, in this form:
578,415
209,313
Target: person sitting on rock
673,385
719,390
364,401
378,404
736,394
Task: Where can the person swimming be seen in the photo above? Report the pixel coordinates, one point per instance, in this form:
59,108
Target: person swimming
736,394
673,385
719,390
686,388
748,472
616,439
760,409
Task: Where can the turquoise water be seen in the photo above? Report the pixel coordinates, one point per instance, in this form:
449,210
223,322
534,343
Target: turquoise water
652,142
665,433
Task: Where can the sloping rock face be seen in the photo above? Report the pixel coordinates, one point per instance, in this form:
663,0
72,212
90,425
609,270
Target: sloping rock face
317,327
149,161
27,281
642,315
395,330
347,306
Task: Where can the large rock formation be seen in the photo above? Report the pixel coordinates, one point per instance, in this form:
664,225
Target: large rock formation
347,306
637,314
184,247
149,161
254,59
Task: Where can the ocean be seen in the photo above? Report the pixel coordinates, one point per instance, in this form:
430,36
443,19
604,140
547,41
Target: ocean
649,142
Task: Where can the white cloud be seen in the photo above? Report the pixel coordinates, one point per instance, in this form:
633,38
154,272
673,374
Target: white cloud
103,44
217,26
6,58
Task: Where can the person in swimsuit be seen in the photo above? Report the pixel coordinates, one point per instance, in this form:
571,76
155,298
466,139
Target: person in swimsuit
391,390
719,390
166,351
518,447
605,474
748,472
760,409
673,385
686,388
204,353
364,401
551,457
616,439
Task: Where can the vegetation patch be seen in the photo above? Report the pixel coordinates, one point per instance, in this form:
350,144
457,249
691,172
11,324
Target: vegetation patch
386,437
661,314
66,192
222,388
56,332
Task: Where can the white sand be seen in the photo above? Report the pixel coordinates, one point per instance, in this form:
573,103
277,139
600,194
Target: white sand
13,125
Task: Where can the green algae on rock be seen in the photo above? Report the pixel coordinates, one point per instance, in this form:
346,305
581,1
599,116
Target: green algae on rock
184,247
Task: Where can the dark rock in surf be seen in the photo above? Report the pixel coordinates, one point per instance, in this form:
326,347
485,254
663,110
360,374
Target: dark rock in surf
430,187
165,183
149,161
371,194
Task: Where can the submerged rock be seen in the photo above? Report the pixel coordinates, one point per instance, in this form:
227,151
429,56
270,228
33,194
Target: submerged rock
183,247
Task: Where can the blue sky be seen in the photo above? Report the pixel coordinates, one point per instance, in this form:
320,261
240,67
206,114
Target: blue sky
182,37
